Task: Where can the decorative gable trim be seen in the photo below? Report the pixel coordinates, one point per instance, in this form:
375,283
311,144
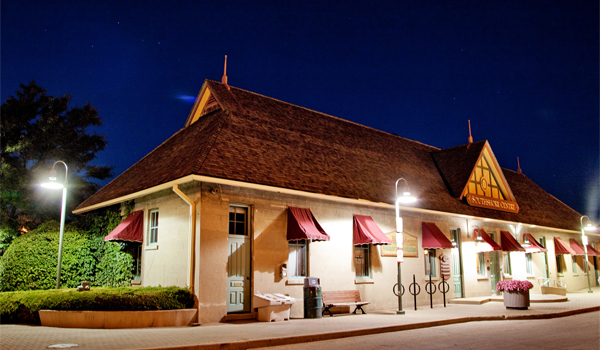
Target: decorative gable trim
487,187
205,103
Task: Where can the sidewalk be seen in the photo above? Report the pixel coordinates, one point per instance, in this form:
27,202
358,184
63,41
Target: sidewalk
251,334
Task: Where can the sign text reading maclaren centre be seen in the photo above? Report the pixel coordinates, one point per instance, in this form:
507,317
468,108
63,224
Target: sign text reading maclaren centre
492,203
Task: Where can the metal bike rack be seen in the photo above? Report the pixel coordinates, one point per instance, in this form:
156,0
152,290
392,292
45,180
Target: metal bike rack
430,291
394,289
413,291
444,287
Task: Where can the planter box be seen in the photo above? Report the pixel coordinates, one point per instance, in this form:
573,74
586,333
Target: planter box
117,319
516,300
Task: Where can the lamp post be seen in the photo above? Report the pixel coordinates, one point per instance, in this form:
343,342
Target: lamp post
584,240
404,198
53,184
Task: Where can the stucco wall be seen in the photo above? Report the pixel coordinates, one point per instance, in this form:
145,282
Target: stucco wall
331,261
166,263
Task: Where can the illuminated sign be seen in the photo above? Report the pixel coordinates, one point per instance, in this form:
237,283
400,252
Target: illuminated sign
408,247
492,203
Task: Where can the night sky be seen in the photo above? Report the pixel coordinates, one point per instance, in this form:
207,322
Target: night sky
524,72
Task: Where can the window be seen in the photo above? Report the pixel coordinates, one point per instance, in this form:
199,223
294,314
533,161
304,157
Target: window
559,264
507,267
362,261
430,263
153,227
297,258
574,258
481,264
529,263
238,221
455,237
542,241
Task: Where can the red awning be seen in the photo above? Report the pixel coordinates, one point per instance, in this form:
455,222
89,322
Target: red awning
433,238
366,231
303,225
534,247
578,248
509,243
131,229
493,245
561,247
592,251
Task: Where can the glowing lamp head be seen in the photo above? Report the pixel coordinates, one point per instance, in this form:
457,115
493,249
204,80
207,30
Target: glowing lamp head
406,198
589,227
52,183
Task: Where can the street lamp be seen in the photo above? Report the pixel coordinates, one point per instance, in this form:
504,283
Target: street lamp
53,184
404,199
587,227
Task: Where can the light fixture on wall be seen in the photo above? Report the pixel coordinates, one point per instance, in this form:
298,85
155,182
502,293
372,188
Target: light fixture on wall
53,184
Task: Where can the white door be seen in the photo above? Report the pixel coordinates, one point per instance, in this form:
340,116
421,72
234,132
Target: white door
238,261
456,270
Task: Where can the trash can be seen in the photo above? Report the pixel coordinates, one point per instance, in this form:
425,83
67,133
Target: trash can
273,307
313,302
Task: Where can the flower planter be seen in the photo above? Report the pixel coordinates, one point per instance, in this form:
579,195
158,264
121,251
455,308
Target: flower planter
117,319
516,299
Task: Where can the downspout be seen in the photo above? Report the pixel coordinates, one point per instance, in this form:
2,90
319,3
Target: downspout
192,205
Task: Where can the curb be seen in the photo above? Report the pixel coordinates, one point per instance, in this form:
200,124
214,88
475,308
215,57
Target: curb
260,343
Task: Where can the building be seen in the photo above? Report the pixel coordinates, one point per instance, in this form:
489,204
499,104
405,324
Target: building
252,187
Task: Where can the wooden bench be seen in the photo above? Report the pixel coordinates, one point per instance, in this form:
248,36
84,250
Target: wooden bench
338,298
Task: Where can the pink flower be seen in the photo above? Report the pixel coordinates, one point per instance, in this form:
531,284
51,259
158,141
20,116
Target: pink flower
513,286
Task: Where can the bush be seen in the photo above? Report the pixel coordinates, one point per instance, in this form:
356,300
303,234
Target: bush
23,307
31,260
7,235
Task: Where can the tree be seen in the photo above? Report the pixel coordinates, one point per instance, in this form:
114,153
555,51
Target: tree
35,131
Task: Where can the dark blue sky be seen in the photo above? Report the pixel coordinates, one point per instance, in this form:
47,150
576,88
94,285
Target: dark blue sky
524,72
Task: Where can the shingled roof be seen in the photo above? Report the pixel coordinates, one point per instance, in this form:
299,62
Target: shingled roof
260,140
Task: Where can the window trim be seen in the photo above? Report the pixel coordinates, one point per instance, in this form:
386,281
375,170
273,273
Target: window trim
151,212
246,219
482,271
559,264
529,264
367,264
431,261
506,264
291,272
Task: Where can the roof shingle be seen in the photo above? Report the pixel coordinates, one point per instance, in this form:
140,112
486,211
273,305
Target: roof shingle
261,140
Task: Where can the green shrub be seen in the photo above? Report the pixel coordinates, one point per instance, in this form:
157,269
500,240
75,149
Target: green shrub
7,235
23,307
31,260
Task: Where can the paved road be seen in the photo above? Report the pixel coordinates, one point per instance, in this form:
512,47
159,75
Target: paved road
573,332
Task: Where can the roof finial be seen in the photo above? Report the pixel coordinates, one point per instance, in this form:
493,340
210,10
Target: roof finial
470,137
519,166
224,79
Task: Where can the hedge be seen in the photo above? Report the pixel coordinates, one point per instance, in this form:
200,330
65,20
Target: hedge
23,307
30,261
